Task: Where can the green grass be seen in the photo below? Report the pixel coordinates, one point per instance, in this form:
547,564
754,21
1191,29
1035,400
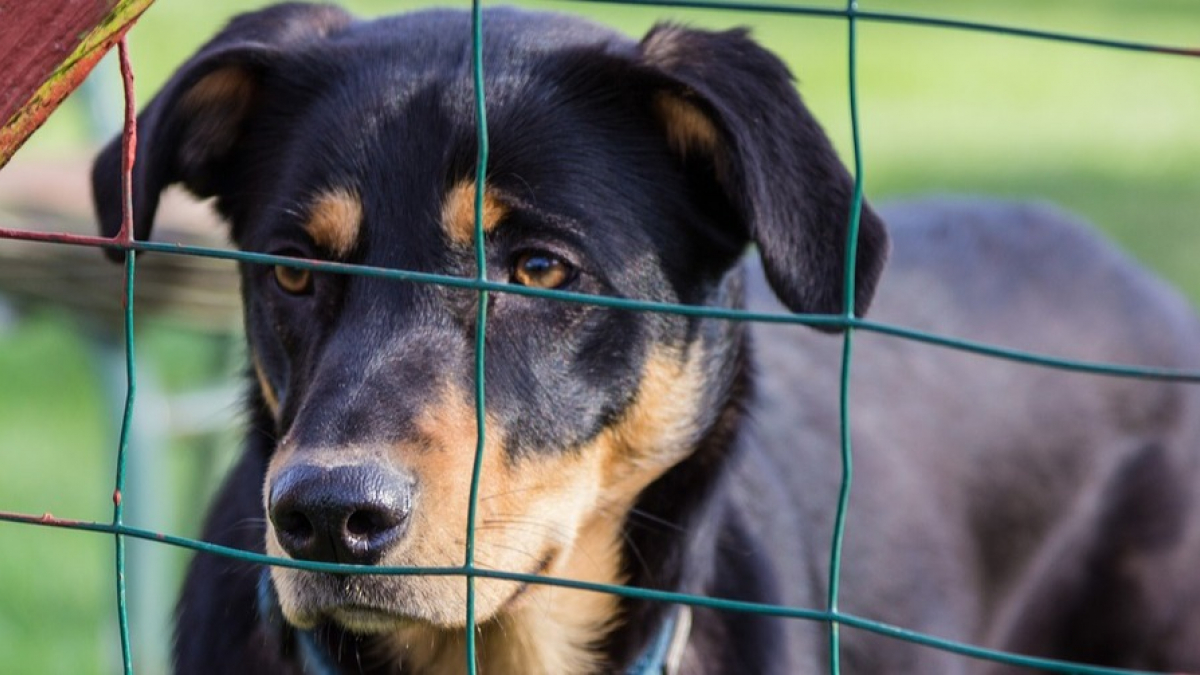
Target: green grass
58,434
1108,134
56,459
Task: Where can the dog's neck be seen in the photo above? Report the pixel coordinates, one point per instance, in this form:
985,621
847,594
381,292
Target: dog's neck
670,539
671,542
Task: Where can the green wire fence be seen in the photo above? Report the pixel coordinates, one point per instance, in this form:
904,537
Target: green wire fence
830,614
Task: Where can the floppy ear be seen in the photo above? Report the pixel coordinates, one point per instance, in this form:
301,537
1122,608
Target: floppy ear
732,104
191,129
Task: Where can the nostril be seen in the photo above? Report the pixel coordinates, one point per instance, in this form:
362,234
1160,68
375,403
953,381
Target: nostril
296,531
295,524
367,532
365,524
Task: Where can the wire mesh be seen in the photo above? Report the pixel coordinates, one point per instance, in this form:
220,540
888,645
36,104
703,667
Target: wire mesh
128,152
831,614
836,547
481,316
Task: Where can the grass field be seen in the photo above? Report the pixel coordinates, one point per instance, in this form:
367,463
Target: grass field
1109,134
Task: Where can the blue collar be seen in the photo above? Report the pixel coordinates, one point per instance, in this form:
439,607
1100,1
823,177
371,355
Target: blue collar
661,657
314,660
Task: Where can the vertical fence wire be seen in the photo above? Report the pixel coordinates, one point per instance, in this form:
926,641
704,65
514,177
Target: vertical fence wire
850,267
128,154
481,320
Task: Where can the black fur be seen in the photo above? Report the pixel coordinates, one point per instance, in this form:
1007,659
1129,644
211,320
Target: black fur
312,99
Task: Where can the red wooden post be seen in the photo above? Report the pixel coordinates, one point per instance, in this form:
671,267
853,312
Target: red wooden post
47,48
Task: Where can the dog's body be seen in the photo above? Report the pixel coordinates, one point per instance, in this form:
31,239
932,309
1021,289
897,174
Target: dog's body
994,503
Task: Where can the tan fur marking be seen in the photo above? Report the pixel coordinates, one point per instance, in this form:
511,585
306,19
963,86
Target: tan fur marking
569,505
217,103
229,86
688,129
527,509
264,386
657,431
458,212
334,221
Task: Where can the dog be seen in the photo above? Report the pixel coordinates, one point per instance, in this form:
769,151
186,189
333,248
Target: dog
995,503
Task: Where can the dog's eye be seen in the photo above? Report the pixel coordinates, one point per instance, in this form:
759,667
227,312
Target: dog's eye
538,269
294,280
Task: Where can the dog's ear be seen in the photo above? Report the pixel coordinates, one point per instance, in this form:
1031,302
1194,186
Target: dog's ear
730,104
190,130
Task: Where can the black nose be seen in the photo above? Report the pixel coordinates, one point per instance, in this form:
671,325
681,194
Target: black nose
344,514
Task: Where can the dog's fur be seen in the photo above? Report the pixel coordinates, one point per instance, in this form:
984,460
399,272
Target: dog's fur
996,503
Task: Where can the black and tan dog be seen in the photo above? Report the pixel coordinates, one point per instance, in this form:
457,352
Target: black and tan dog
996,503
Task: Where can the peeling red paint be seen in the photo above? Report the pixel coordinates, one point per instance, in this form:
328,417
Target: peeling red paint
47,49
59,237
128,144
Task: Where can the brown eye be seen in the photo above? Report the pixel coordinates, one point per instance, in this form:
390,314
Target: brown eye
293,280
538,269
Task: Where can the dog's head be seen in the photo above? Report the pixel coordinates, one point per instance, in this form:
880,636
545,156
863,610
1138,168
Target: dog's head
619,168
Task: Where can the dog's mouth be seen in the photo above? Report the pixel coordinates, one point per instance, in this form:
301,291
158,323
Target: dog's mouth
365,620
374,604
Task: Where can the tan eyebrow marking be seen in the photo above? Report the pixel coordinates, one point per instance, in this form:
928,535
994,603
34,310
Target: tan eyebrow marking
458,212
334,221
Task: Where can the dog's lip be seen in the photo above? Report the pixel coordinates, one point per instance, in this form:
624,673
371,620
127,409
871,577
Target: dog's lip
356,616
365,616
367,619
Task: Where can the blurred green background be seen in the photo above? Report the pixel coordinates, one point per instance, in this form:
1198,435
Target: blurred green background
1109,134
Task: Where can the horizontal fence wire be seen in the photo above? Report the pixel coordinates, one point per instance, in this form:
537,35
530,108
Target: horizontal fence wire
469,571
721,604
853,13
471,283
